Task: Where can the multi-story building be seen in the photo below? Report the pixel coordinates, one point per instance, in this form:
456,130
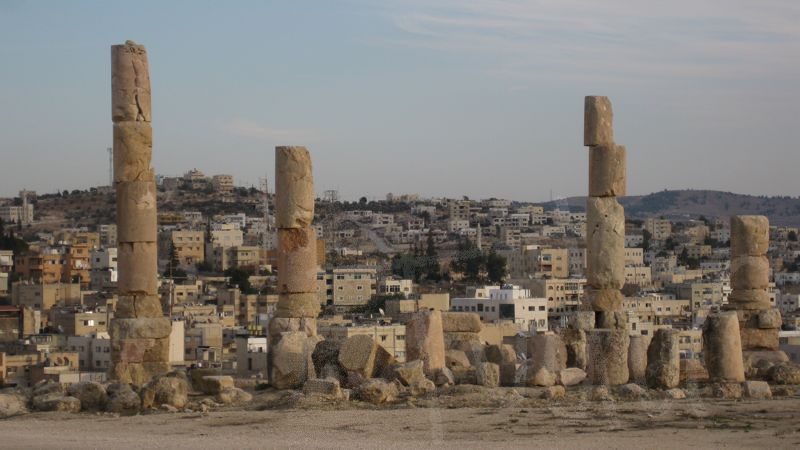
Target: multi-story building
659,229
189,246
505,303
346,287
108,235
43,297
222,183
458,209
391,337
395,286
103,268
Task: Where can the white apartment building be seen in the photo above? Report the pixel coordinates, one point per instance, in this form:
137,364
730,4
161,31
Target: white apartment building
505,303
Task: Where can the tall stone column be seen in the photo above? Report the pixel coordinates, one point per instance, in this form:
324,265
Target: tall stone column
759,323
139,330
605,241
298,302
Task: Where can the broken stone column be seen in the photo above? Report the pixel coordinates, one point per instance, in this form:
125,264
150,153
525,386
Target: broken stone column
637,358
664,360
759,323
605,227
139,331
608,356
722,347
425,340
298,304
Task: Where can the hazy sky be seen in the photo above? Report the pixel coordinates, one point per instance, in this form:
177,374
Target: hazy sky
444,98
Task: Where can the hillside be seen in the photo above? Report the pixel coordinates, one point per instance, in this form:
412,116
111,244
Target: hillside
683,204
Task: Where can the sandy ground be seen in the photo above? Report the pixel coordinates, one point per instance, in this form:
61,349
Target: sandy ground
694,424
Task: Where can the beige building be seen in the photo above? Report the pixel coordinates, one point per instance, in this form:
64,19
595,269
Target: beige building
222,183
532,260
344,288
508,303
43,297
74,322
659,229
189,246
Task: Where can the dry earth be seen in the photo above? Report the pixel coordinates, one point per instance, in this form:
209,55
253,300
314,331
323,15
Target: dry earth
692,423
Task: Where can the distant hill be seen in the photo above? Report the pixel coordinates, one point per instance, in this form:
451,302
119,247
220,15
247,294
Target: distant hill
686,204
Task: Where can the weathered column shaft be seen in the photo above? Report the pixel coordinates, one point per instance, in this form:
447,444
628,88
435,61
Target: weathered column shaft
298,303
139,332
759,323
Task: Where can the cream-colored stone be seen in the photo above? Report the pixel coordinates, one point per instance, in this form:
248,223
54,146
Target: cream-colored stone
280,325
759,339
749,299
137,373
133,150
722,347
604,300
637,358
130,83
598,121
461,322
605,243
297,260
136,212
138,306
294,187
664,360
749,272
607,171
425,340
608,356
749,236
156,328
137,265
298,305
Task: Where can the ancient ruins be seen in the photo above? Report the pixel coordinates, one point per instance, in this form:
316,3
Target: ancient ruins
139,330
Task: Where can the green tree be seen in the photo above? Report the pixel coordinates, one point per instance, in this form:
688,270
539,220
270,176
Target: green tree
495,267
238,277
433,271
646,236
792,236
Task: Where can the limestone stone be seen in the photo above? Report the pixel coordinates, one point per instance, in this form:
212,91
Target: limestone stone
600,394
632,391
540,377
584,320
140,350
570,377
300,305
753,357
769,318
165,390
488,374
137,373
130,83
464,375
605,243
759,339
233,396
612,320
456,358
12,404
749,236
56,402
598,121
461,322
297,260
508,374
408,372
500,354
291,360
749,272
136,211
138,306
142,328
122,399
132,154
455,339
294,187
91,394
548,351
675,394
325,353
444,377
727,390
45,387
137,265
575,343
421,387
637,358
607,171
784,373
214,384
425,340
608,356
357,354
749,299
280,325
757,389
663,360
722,347
377,391
325,388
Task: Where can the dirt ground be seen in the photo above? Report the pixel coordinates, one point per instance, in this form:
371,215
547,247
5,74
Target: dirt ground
691,423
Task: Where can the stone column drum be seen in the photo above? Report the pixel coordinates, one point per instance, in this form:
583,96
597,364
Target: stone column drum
605,235
139,331
759,323
298,303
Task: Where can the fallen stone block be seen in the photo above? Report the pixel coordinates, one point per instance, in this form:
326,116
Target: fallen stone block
554,393
377,391
461,322
214,384
784,373
488,374
326,388
233,396
541,377
56,402
548,351
91,394
165,390
757,389
571,376
663,360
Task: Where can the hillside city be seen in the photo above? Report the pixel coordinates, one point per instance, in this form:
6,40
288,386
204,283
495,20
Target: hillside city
521,267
